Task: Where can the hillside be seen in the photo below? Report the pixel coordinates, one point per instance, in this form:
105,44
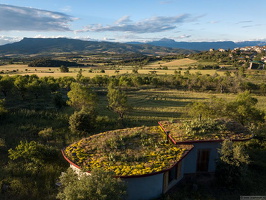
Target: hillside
48,46
202,46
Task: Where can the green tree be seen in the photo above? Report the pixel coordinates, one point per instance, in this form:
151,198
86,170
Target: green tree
117,100
82,122
212,108
64,68
232,164
21,85
6,84
3,110
32,153
243,109
81,96
58,100
37,88
46,134
99,185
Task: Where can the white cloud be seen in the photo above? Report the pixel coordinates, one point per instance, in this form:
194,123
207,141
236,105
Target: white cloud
14,18
8,39
66,9
150,25
123,20
183,37
244,22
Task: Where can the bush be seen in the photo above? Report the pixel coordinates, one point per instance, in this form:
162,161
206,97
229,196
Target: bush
64,69
98,186
232,165
82,122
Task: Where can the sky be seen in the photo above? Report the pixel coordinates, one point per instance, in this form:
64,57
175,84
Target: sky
133,20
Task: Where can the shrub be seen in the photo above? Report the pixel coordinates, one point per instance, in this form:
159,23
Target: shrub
99,185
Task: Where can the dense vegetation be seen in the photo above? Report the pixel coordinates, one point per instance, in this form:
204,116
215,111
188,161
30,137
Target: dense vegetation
52,63
41,115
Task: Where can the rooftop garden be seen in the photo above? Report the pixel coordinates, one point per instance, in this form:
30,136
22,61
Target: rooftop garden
127,152
202,130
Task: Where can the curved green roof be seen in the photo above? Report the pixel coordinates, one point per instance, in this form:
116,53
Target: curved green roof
127,152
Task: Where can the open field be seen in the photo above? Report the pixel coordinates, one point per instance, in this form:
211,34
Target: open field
153,105
174,63
55,72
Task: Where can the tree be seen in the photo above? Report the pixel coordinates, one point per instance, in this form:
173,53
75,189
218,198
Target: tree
82,122
6,84
99,185
37,88
64,68
81,96
31,152
21,85
46,134
212,108
232,164
3,110
117,100
242,109
58,100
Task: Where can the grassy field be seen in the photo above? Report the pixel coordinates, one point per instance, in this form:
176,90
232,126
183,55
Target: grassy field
172,64
152,105
93,71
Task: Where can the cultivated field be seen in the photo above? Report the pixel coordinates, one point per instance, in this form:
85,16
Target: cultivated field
173,66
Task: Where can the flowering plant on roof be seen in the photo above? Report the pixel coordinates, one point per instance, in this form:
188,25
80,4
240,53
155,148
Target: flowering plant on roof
127,152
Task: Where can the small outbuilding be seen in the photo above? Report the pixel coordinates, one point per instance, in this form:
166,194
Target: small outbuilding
256,65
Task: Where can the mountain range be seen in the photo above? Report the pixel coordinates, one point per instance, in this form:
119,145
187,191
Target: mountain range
202,46
49,46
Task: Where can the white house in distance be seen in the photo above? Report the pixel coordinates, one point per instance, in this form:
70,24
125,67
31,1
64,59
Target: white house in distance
152,159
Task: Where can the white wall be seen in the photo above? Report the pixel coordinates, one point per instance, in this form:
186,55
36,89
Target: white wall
190,161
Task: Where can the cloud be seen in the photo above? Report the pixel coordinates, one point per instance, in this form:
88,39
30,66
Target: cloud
150,25
214,22
183,37
14,18
251,26
244,22
8,39
66,9
44,36
123,20
109,39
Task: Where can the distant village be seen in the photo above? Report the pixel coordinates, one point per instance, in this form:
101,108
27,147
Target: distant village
249,53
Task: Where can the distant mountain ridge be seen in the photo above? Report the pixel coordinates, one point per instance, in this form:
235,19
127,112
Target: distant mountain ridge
202,46
46,46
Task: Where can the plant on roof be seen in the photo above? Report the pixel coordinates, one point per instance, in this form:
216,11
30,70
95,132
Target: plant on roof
209,129
202,127
134,151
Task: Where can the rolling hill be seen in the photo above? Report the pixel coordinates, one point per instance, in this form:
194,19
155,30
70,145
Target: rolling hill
202,46
49,46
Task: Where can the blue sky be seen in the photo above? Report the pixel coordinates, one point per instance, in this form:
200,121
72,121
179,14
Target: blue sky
135,20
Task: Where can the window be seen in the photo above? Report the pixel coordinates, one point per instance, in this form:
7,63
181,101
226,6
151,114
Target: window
203,160
171,175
